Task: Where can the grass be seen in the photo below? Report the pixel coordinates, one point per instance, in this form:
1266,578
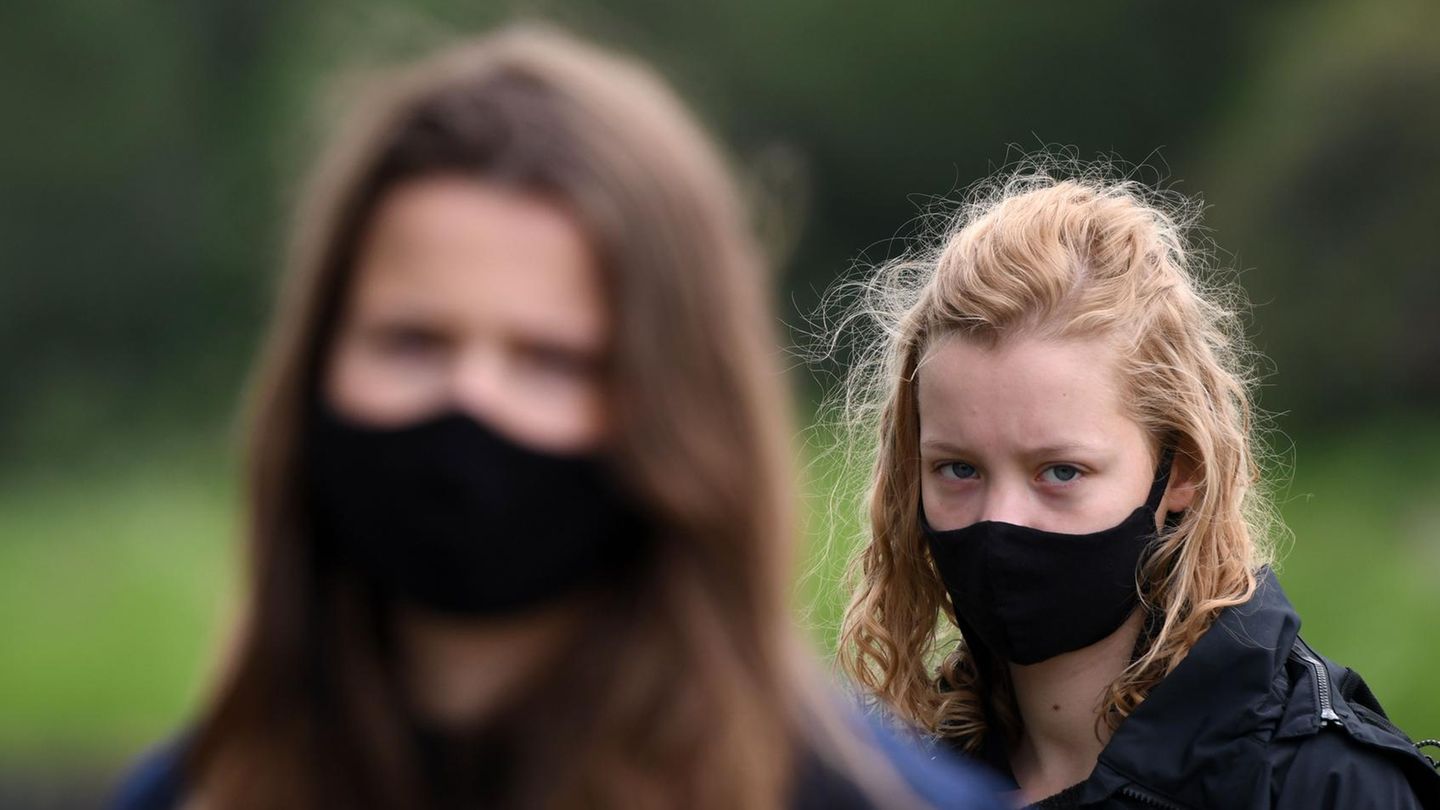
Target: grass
116,582
113,584
1364,570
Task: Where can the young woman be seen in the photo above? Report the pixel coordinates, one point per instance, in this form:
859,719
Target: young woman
518,491
1065,468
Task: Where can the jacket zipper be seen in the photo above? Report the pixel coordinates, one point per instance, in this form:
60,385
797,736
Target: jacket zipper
1422,745
1147,799
1328,717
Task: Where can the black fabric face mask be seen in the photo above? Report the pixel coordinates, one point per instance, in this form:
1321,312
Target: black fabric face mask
1029,595
452,516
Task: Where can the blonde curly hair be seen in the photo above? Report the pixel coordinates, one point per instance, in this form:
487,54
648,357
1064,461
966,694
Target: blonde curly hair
1058,254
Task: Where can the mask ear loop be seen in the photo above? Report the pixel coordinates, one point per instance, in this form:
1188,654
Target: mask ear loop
1154,617
1162,478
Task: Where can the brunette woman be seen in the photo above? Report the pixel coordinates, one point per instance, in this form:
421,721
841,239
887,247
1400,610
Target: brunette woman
518,497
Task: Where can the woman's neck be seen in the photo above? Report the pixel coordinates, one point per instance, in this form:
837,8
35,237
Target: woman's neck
458,672
1060,702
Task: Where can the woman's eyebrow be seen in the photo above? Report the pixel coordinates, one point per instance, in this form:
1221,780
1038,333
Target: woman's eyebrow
1063,449
1060,448
943,446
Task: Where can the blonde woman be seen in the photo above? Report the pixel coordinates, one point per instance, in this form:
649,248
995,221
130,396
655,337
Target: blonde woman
518,499
1065,469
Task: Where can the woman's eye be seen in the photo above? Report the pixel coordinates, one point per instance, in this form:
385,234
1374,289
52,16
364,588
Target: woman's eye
557,363
957,470
407,341
1060,474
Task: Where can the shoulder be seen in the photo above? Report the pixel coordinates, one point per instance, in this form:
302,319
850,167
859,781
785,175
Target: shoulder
1336,747
153,783
1330,769
936,775
936,778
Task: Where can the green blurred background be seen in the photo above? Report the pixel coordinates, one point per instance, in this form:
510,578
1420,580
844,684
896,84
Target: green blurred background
151,152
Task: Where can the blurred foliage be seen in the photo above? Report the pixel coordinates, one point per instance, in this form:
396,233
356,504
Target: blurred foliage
1325,183
157,148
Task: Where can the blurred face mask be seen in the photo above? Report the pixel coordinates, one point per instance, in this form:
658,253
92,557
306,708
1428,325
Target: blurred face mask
1029,595
450,515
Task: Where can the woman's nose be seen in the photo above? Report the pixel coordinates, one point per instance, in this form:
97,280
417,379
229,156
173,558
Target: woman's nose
477,384
1006,503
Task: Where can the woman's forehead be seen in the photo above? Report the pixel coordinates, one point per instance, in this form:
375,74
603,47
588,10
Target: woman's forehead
1027,395
460,250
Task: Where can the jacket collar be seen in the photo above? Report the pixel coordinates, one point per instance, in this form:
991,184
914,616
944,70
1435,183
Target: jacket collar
1196,738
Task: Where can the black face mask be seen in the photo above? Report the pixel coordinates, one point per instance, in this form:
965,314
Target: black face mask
450,515
1029,595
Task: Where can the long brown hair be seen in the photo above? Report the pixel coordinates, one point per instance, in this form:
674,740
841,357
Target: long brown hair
684,694
1054,249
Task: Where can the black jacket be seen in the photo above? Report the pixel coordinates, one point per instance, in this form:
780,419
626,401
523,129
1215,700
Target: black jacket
1255,718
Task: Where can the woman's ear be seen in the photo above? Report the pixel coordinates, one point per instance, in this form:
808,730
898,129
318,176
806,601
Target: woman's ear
1183,483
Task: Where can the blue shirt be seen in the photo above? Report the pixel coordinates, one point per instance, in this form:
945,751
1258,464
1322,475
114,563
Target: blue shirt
937,776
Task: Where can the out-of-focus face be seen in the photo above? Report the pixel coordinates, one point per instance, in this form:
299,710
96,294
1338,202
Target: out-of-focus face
1031,432
475,297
